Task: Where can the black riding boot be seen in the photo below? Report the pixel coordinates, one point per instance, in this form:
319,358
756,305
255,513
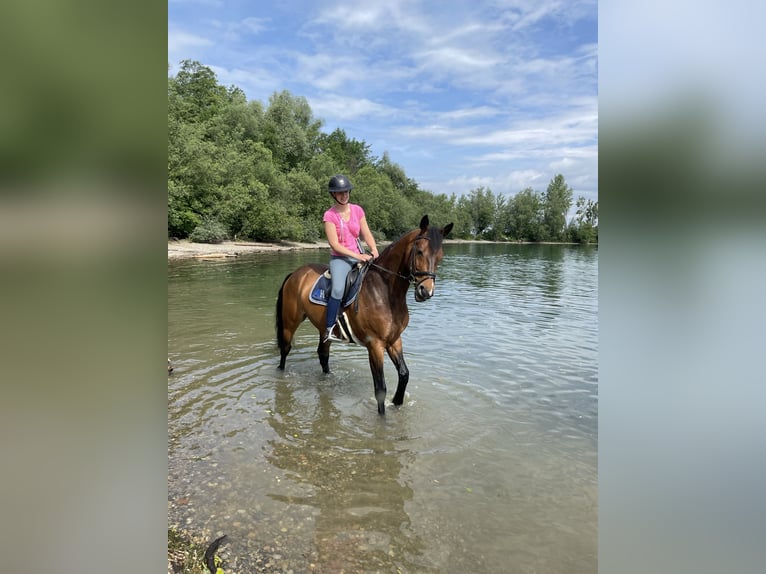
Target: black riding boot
333,305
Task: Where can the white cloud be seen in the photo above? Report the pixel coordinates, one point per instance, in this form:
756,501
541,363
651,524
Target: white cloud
572,129
325,71
255,25
469,113
465,94
523,14
377,15
508,183
514,181
456,59
260,80
344,108
179,41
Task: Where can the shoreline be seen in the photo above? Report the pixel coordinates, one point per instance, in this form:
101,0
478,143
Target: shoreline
184,249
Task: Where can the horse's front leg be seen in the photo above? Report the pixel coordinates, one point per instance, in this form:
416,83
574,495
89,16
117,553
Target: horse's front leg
397,356
375,354
323,350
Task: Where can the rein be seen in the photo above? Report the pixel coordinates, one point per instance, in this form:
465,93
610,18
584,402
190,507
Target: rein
412,278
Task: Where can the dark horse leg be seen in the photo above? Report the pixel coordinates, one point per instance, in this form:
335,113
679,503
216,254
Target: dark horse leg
323,350
289,316
397,356
284,338
375,354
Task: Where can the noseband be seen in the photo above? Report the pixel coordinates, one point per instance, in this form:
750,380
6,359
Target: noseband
412,278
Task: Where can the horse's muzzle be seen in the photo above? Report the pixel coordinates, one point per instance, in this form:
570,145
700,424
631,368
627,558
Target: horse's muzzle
422,293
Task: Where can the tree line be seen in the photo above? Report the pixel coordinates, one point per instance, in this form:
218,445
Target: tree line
239,169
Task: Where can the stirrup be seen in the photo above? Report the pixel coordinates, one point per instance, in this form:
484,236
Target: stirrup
330,336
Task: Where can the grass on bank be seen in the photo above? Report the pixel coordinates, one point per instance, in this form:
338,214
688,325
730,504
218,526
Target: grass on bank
186,554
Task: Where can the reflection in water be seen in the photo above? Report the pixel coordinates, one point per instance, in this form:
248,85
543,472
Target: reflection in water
352,483
489,467
552,272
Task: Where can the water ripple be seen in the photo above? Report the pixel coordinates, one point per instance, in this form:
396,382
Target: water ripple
493,454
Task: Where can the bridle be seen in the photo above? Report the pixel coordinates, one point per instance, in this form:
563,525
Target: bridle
412,278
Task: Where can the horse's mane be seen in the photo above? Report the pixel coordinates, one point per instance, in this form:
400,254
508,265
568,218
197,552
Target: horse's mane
391,246
435,236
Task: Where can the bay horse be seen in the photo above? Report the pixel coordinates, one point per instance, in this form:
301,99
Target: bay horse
379,315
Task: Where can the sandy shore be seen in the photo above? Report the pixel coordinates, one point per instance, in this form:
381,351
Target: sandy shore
185,249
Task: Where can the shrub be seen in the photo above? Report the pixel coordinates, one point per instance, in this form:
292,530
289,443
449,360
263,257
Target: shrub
210,231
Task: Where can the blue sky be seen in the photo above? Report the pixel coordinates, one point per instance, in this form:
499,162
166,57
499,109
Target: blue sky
500,94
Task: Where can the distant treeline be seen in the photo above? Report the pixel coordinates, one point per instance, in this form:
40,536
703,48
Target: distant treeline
239,169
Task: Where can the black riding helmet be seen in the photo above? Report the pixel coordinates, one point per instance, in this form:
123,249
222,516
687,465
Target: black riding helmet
339,183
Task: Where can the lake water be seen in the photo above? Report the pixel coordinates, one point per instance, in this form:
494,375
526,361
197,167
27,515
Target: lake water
489,466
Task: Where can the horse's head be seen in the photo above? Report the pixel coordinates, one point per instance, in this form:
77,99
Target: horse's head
425,255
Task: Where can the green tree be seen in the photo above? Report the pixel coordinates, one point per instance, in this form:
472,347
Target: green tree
496,230
349,155
584,228
237,121
195,92
557,200
182,218
464,225
312,200
440,209
239,169
272,221
192,177
524,216
394,173
386,210
481,207
290,131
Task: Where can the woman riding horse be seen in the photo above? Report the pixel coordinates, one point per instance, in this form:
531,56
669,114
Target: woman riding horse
344,223
379,315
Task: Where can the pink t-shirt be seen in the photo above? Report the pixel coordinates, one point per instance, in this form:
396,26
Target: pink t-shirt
348,231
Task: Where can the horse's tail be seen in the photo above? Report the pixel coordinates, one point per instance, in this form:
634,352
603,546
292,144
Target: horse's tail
280,323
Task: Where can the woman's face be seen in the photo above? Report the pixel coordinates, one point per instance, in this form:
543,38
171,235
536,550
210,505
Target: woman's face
341,196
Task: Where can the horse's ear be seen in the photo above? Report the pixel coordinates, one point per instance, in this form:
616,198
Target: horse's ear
424,224
447,228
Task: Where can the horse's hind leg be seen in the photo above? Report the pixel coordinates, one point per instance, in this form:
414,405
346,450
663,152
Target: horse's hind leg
396,353
285,342
289,327
285,345
283,352
288,317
